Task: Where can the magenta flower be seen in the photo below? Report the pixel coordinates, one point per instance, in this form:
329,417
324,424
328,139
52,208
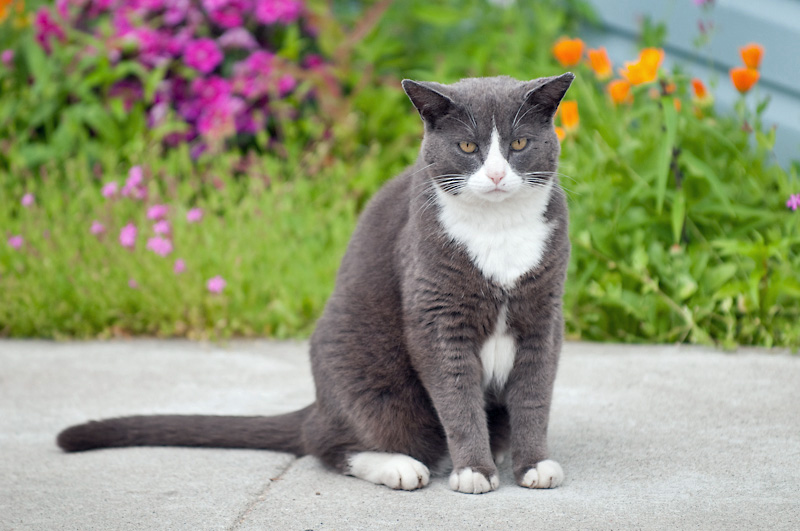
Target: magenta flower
133,284
127,236
159,245
162,227
283,11
16,241
286,84
194,215
218,120
216,284
157,212
97,228
110,189
27,200
793,202
251,77
47,29
203,55
7,57
180,266
176,12
227,13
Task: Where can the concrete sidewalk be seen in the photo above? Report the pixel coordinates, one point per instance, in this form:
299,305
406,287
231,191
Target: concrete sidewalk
649,438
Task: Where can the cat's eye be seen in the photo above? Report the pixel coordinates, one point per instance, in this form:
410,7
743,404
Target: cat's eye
468,147
519,144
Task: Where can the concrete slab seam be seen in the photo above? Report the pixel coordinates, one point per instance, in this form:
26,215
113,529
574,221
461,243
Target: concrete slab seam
261,496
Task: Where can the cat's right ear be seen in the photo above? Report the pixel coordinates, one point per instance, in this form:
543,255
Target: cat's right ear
430,103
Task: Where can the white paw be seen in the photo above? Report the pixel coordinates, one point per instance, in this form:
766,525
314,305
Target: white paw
472,482
397,471
546,475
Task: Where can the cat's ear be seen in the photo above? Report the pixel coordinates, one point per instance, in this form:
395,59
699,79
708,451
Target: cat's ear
548,92
428,100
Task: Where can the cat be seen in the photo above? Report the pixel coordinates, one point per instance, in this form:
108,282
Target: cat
444,330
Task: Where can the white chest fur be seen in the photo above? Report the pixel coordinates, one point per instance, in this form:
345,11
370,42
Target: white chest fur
504,239
497,353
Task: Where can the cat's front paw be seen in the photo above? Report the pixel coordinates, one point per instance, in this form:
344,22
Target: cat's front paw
473,482
545,475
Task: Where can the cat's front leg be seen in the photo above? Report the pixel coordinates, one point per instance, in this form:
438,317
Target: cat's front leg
453,379
529,394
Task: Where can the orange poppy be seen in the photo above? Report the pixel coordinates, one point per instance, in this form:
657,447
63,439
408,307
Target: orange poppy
568,52
600,63
751,55
744,78
568,110
620,91
702,96
560,133
645,69
677,103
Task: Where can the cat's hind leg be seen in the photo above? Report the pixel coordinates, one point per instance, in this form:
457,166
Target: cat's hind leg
396,471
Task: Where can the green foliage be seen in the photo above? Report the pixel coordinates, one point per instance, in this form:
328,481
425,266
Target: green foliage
678,219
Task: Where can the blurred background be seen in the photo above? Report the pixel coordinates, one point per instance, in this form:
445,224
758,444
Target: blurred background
194,168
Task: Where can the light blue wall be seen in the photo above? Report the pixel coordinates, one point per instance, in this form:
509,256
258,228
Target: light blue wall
775,24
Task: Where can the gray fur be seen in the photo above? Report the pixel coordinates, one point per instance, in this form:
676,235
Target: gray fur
395,355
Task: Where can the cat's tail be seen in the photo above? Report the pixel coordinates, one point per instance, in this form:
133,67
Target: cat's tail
281,433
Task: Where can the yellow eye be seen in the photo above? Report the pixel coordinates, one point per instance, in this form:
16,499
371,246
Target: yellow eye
468,147
519,143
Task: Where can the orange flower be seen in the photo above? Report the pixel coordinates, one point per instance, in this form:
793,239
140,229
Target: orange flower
620,91
568,52
645,69
700,91
4,9
568,110
744,78
751,55
560,133
677,103
702,96
600,63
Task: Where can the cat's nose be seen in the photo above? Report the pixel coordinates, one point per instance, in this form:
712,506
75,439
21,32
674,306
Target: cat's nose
496,175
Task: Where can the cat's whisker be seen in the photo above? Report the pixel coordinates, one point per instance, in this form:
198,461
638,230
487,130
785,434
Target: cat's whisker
519,119
552,173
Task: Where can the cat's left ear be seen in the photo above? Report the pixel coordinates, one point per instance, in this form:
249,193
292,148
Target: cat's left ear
548,92
428,100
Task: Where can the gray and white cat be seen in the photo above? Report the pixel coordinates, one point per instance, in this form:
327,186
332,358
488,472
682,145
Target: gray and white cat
444,331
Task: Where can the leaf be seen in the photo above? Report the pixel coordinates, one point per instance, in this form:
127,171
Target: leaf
678,215
700,168
665,153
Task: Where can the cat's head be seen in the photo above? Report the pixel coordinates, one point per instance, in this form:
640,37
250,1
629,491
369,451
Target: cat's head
489,139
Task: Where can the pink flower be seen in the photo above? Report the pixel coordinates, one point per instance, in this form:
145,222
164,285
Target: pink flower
110,189
156,212
15,242
159,245
218,120
227,13
286,84
162,227
251,77
27,200
272,11
47,29
97,228
180,266
211,89
203,55
134,185
216,284
237,38
176,12
793,202
194,215
127,236
133,284
7,57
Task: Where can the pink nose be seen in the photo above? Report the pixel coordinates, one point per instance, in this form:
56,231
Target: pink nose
496,176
